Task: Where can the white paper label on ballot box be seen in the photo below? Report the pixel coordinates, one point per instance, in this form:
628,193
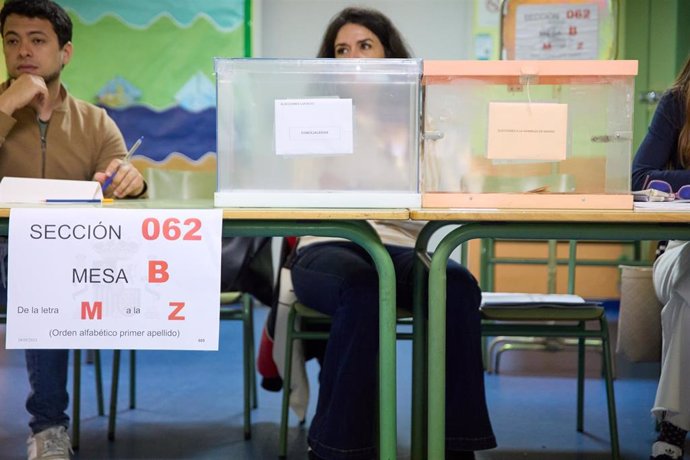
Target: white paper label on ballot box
527,131
114,278
313,126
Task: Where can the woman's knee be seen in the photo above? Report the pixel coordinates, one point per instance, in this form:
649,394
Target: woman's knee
360,292
462,285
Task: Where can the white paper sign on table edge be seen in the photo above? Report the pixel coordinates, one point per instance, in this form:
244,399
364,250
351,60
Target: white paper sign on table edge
61,258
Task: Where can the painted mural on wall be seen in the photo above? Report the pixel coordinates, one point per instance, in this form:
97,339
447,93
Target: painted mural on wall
150,63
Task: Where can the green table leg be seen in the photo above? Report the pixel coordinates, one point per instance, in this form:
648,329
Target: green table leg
419,344
437,344
584,231
361,233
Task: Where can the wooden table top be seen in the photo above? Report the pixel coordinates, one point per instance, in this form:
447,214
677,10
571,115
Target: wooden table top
455,214
551,215
233,213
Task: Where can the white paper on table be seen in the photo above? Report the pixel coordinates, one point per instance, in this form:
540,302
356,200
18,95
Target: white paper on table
313,126
28,190
665,206
138,279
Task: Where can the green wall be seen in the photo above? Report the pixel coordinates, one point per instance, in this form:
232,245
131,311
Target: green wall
657,34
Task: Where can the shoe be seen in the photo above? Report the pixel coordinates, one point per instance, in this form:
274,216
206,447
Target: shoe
50,444
457,455
665,451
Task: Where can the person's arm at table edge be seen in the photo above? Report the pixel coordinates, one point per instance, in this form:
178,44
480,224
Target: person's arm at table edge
128,182
659,147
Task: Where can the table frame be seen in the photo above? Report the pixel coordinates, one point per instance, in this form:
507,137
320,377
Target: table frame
364,235
523,225
350,224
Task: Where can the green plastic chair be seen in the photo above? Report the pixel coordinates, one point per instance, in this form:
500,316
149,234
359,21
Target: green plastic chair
561,322
182,185
301,314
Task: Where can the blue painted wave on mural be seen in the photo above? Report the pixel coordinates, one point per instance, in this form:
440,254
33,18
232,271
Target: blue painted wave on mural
174,130
227,14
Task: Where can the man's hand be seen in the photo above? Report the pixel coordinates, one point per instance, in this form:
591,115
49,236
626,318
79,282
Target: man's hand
127,180
27,89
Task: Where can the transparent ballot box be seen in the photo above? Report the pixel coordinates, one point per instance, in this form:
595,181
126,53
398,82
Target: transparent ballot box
318,132
528,134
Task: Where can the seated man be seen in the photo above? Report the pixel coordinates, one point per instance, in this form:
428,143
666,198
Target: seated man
46,133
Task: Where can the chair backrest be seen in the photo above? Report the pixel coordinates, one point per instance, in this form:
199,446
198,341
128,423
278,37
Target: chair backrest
179,184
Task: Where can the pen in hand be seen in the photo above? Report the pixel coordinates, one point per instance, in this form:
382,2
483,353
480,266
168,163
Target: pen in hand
109,180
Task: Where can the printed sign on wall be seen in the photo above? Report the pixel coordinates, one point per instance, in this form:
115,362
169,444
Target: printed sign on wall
553,31
114,279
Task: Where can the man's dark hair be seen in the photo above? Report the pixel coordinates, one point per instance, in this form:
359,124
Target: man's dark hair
43,9
393,43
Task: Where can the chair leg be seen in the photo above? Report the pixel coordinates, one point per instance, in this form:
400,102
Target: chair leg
252,352
486,359
76,393
247,333
132,379
419,364
98,370
580,381
76,399
610,397
282,443
113,395
504,343
497,361
492,367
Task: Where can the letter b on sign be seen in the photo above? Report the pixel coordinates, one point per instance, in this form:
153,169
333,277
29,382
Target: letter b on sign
158,271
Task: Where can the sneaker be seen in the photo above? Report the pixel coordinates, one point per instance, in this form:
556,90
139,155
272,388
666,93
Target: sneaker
50,444
665,451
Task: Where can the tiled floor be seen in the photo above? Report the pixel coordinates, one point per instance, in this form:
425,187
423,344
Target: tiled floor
190,406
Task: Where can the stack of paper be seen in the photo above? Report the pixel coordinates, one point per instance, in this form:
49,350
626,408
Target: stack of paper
520,299
659,206
28,190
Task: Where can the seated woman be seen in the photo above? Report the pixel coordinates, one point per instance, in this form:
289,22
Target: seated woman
664,155
338,278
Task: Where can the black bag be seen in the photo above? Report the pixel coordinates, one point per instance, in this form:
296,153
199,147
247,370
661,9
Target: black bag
247,266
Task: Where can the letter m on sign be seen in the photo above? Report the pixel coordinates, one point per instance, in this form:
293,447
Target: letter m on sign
92,312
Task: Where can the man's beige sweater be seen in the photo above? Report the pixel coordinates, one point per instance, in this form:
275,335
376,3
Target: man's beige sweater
80,140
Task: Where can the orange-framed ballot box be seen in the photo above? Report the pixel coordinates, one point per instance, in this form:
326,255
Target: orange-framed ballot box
527,134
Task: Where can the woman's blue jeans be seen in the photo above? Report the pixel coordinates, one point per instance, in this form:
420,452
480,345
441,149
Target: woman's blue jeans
339,278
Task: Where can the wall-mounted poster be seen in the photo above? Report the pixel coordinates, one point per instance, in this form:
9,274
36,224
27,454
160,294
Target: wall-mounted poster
150,64
559,29
567,31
